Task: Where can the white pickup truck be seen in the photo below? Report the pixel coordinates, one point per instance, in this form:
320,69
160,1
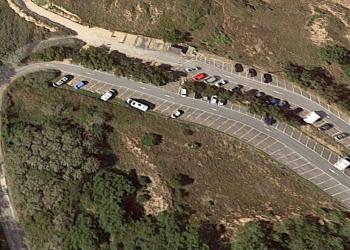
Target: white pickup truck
342,163
311,118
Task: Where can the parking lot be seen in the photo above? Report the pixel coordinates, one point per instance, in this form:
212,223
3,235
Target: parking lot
258,139
334,130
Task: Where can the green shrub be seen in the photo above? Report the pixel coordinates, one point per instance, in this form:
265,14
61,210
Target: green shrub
150,139
335,54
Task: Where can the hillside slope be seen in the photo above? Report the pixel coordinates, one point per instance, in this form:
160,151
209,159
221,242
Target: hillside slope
261,32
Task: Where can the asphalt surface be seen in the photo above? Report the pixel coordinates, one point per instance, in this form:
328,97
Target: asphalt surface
302,158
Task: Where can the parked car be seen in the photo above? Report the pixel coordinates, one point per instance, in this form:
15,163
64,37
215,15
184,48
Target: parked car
176,114
137,104
283,105
199,76
239,67
252,92
214,99
221,82
211,79
325,127
341,136
80,85
192,69
205,98
272,100
260,94
108,95
267,78
222,102
237,89
197,95
252,72
268,120
183,92
64,80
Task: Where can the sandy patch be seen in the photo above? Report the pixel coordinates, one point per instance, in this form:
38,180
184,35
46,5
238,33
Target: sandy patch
160,194
318,33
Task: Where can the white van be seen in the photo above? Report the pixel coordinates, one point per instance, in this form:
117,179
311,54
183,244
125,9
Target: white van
137,105
311,118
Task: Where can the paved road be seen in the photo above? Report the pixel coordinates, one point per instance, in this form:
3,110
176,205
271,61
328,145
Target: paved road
98,36
281,142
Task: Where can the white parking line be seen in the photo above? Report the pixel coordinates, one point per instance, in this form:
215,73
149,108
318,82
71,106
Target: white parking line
246,133
214,109
316,176
345,199
330,178
340,192
213,122
301,166
262,141
222,124
230,127
334,172
307,171
338,184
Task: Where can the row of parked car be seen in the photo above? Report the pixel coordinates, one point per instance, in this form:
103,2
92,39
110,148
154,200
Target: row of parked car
80,84
134,103
266,77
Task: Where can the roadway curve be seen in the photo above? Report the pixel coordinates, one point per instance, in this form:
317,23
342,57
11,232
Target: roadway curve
154,94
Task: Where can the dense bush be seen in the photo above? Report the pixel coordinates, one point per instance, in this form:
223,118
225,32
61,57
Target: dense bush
335,54
16,32
101,58
321,81
150,139
298,233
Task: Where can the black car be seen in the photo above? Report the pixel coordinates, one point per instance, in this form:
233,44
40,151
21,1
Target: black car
197,95
252,92
237,89
238,67
272,100
283,105
325,127
341,136
267,78
252,72
268,120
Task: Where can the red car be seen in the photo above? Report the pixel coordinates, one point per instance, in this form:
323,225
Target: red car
199,77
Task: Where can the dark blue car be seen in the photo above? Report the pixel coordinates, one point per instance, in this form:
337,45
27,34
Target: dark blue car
79,85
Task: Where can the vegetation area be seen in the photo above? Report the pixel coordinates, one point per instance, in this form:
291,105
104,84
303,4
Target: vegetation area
321,80
66,186
15,32
102,58
331,231
264,33
81,178
255,105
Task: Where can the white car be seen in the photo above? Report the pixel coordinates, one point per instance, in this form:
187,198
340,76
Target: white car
63,80
210,79
108,95
192,69
183,92
214,99
221,82
176,114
